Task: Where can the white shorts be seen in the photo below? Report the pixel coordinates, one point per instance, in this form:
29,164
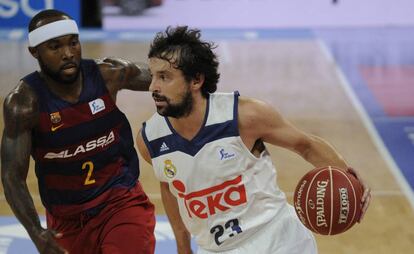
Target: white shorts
284,234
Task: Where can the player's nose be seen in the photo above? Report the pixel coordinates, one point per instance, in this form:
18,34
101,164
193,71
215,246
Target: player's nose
67,52
154,87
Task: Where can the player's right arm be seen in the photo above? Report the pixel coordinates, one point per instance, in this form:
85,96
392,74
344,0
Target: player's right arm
21,114
182,236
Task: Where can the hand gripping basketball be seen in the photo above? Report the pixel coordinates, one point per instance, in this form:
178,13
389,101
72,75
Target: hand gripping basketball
328,200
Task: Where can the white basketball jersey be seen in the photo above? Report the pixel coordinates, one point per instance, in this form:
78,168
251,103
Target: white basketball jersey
225,193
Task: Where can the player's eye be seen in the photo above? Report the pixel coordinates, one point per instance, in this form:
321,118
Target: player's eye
53,46
74,43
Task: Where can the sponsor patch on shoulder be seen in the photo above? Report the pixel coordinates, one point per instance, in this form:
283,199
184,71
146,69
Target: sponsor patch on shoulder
96,106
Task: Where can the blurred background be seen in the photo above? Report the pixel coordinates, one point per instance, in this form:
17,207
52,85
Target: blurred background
340,69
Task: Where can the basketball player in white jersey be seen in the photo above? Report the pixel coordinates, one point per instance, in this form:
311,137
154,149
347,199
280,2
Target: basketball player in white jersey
207,149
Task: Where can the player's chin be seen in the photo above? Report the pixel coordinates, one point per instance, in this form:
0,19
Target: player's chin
161,110
69,79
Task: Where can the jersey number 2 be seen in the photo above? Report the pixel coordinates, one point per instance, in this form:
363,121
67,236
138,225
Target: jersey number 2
89,165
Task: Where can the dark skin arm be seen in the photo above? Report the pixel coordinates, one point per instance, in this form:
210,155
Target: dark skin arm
21,115
122,74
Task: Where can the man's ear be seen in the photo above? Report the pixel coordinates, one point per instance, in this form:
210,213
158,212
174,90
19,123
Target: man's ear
33,51
198,81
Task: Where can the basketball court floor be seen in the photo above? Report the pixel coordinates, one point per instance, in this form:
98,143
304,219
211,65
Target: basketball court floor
355,88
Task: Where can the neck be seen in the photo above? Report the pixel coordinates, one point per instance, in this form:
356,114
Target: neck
67,92
188,126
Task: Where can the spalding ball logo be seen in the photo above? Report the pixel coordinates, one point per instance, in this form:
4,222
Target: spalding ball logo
328,200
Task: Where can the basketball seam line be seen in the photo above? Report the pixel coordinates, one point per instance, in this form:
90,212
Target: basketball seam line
332,201
307,196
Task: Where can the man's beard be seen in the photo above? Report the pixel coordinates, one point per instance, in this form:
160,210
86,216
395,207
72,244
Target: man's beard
56,76
178,110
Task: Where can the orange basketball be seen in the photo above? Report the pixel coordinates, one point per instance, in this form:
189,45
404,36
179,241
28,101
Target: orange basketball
328,200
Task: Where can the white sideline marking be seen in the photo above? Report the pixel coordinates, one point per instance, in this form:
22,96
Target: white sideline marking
406,189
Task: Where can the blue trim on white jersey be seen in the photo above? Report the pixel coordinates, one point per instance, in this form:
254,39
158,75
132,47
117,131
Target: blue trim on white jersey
208,134
236,110
145,138
175,142
203,125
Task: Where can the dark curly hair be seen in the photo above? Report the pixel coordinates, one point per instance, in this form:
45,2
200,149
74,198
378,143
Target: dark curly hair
182,48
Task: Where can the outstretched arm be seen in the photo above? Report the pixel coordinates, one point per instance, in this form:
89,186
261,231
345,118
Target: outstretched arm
260,121
20,116
122,74
182,236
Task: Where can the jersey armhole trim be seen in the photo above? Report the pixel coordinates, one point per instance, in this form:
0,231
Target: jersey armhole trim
147,143
236,112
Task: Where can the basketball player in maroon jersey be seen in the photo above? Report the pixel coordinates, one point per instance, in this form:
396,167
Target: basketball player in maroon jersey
66,118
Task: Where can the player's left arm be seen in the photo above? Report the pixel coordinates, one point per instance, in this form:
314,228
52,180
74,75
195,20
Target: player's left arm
120,74
260,121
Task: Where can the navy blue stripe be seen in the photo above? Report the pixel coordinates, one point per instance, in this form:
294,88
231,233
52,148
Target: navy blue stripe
147,143
90,91
236,110
198,135
93,87
80,133
68,197
208,134
100,160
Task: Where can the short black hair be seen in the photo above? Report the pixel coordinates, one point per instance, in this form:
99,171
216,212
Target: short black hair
183,48
49,13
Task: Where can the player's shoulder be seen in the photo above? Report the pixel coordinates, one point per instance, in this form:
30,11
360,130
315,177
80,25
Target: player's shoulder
253,107
155,129
156,124
21,101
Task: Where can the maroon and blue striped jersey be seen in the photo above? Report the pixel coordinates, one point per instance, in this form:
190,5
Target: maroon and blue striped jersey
84,152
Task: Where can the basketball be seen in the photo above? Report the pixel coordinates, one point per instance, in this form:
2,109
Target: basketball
328,200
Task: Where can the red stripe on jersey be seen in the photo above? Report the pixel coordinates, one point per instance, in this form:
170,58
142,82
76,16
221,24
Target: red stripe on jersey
74,115
89,179
81,150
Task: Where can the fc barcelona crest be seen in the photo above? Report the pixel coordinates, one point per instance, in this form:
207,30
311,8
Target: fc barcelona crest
55,117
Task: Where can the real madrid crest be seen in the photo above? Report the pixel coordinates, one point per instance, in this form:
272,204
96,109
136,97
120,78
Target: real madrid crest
169,169
55,117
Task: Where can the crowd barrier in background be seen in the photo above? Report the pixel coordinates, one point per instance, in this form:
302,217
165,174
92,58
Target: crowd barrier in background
218,13
17,13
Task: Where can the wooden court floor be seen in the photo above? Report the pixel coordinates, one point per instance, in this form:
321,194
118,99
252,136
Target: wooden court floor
298,79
